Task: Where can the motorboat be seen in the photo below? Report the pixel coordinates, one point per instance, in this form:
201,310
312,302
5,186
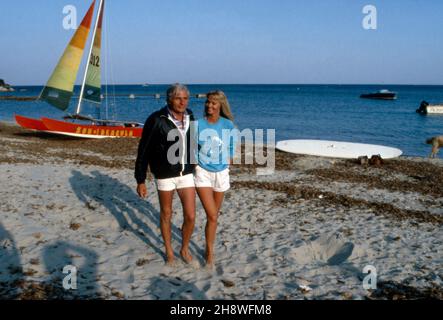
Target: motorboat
426,108
381,95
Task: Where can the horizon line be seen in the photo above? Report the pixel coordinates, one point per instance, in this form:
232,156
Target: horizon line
248,84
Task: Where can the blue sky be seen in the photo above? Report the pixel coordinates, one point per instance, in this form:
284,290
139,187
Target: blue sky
235,41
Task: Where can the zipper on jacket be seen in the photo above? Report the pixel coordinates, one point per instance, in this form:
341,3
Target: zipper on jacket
184,145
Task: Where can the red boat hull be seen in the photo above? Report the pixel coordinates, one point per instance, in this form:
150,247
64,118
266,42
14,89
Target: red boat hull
91,131
78,130
31,124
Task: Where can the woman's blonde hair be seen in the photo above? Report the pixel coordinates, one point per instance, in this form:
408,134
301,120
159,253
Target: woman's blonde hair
225,108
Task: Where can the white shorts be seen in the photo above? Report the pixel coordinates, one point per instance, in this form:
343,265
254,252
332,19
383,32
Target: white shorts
219,181
171,184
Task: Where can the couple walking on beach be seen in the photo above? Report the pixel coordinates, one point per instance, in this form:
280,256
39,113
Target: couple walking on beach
188,156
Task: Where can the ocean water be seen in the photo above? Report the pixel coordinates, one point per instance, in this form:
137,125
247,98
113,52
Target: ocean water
327,112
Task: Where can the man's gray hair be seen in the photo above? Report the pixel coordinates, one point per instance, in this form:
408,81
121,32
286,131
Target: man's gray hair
174,89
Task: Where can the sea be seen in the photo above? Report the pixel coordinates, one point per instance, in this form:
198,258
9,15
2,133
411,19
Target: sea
326,112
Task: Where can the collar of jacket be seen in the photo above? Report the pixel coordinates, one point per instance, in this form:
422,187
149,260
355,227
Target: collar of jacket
165,112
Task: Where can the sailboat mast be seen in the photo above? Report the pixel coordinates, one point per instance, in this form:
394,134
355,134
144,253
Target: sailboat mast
82,90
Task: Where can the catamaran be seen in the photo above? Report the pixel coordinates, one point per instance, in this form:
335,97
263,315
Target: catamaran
60,87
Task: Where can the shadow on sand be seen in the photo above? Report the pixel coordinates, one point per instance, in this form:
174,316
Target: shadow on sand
127,208
170,288
61,254
11,270
15,285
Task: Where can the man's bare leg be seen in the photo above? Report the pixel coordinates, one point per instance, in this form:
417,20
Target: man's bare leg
187,197
165,198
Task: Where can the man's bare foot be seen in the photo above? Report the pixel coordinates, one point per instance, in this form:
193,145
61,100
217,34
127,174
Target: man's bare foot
171,264
186,256
210,266
209,260
170,259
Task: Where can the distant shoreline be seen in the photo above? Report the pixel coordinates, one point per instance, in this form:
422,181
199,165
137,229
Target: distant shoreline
258,84
12,128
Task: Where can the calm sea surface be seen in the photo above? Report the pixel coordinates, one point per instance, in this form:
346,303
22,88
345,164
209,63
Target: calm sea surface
327,112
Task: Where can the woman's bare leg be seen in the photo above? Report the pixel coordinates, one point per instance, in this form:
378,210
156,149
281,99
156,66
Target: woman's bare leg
207,198
218,198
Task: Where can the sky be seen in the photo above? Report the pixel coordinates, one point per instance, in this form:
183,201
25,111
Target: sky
234,41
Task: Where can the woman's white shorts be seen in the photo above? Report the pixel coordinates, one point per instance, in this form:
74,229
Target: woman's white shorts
171,184
219,181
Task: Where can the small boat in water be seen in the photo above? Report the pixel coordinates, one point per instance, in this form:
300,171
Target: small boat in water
4,87
426,108
381,95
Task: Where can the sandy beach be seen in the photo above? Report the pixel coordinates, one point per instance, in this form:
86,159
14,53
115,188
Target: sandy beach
305,232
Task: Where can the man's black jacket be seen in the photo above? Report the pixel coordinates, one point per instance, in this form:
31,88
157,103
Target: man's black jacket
154,146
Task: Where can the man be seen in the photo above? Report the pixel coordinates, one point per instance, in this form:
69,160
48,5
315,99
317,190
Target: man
165,131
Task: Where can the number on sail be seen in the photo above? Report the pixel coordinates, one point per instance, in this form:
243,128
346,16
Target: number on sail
95,61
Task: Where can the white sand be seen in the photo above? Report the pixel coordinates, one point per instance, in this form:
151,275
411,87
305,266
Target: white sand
264,251
66,203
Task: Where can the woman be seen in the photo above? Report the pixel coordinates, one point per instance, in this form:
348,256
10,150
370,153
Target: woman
216,147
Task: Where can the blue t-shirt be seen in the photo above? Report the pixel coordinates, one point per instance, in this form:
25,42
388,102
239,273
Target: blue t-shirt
216,144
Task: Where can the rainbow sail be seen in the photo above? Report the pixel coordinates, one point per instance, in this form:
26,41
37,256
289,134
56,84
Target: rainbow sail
93,79
59,89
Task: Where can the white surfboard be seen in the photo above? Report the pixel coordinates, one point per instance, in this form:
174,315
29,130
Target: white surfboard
337,149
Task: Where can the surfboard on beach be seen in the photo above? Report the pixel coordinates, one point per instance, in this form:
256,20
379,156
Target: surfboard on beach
337,149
